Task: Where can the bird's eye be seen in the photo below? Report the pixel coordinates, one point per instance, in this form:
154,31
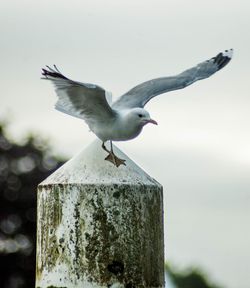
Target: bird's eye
140,115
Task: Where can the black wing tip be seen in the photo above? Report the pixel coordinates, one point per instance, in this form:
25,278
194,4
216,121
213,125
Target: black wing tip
223,58
54,73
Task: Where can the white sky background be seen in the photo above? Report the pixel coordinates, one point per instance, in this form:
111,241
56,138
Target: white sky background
200,150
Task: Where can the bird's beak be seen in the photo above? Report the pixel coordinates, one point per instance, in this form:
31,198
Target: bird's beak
152,121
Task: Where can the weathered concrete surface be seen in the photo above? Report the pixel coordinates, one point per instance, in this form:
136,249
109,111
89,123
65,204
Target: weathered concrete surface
99,226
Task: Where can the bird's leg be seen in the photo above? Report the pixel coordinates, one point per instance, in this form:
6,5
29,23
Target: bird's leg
112,157
117,161
111,146
104,148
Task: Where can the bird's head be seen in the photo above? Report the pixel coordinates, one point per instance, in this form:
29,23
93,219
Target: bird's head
141,117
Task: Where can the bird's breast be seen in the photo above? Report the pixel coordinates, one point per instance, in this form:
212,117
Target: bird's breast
116,131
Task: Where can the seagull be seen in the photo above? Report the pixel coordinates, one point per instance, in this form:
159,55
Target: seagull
125,118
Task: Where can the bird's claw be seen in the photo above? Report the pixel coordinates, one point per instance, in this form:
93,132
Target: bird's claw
115,160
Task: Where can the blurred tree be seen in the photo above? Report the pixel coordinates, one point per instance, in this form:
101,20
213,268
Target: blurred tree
191,278
22,168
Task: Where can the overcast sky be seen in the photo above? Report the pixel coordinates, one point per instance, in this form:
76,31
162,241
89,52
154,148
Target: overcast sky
200,150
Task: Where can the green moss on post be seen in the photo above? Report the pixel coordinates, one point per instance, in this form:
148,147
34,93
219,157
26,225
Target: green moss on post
99,226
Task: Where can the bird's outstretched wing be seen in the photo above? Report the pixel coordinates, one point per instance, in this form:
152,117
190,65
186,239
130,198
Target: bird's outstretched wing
141,94
82,100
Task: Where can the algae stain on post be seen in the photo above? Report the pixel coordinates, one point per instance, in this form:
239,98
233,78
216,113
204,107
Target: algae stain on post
99,226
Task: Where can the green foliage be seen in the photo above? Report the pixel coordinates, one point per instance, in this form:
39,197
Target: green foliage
22,168
189,279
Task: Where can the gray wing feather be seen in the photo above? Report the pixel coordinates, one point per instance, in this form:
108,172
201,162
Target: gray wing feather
82,100
141,94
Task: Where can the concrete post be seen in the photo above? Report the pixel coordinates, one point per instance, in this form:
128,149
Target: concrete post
99,226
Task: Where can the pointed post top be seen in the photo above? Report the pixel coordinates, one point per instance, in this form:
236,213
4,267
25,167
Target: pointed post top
89,167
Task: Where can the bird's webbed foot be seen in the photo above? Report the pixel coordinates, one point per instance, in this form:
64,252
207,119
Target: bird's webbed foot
112,157
115,160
